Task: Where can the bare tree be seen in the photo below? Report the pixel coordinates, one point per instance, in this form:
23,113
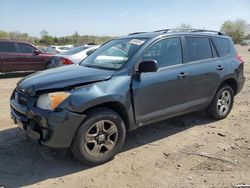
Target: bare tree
44,33
237,29
184,26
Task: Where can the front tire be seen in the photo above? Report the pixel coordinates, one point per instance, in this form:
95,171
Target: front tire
222,103
100,137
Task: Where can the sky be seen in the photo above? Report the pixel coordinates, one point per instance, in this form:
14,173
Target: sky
116,17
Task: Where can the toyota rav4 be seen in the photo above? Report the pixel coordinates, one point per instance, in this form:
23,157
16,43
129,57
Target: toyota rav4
127,83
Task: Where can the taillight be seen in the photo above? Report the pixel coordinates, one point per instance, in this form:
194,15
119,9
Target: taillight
240,59
66,61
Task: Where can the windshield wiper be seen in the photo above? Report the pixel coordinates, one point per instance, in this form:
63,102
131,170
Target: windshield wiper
98,67
117,62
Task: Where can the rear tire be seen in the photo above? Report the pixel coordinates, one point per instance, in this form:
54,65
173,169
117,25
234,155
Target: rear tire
100,137
222,103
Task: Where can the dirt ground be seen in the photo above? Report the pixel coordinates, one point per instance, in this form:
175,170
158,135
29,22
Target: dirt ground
188,151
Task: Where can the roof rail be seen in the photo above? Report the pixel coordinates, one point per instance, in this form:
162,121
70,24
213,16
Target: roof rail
163,30
208,31
136,33
176,30
189,30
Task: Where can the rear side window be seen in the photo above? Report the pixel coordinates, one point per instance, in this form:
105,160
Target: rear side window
222,46
198,48
7,47
25,48
166,52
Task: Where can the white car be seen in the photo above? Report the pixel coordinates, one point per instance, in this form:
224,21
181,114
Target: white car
61,49
245,43
73,56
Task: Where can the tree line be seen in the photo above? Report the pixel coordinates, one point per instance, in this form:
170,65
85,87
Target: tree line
46,39
238,29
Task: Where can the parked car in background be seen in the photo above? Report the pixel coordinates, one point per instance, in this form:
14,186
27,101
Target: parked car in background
245,43
48,50
22,56
153,76
75,55
42,48
60,49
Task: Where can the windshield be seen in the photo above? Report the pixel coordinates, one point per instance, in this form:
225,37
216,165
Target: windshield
75,50
114,54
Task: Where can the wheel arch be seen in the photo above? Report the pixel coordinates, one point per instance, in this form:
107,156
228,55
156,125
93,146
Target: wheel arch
227,81
232,83
115,106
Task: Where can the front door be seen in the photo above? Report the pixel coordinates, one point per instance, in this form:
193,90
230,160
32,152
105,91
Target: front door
164,92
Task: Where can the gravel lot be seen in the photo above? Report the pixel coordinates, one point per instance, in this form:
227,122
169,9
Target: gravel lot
189,151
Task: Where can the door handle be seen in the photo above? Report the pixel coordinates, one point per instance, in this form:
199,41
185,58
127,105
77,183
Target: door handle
220,67
182,75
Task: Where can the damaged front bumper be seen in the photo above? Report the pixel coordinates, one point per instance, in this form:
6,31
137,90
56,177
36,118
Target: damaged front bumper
52,129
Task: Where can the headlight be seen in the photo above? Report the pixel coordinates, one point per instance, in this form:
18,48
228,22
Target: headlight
50,101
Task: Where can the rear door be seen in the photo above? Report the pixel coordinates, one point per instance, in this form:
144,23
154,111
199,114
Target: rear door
9,57
28,60
205,69
161,93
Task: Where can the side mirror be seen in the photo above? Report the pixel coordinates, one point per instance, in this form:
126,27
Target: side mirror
36,52
148,66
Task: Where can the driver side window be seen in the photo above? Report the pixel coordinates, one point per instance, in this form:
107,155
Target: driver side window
166,52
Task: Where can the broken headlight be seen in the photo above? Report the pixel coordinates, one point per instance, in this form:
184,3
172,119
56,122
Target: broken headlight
50,101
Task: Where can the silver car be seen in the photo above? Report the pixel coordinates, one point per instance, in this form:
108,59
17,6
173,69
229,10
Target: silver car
73,56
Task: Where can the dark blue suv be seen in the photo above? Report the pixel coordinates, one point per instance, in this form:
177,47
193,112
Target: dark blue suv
128,82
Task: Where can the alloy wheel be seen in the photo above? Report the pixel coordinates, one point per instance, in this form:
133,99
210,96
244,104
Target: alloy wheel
101,138
224,102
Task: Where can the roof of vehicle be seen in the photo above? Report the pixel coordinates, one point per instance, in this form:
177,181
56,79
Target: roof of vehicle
169,32
15,41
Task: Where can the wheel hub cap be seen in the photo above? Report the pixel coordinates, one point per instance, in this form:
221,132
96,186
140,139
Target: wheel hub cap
101,138
224,102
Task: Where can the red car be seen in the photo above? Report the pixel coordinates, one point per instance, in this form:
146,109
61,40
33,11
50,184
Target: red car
22,56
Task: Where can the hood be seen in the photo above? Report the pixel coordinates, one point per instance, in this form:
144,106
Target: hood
62,78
